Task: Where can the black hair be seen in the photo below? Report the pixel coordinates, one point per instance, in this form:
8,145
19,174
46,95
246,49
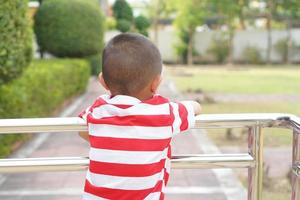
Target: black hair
130,62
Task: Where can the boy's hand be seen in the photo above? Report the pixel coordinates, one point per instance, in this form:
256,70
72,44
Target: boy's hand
196,106
84,135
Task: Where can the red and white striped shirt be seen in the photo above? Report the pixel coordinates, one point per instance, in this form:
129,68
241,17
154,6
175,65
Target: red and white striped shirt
130,146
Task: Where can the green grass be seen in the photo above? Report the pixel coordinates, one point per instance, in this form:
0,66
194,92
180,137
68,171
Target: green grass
285,80
273,188
249,107
273,137
238,80
245,81
276,195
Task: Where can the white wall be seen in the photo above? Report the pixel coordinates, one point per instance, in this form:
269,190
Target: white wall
167,40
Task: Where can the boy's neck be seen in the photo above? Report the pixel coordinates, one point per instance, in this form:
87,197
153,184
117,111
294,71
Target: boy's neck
142,96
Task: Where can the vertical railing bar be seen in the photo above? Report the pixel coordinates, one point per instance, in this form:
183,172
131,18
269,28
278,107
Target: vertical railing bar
296,159
251,170
255,174
260,161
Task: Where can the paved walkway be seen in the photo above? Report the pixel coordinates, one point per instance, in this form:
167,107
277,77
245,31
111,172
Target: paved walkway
184,184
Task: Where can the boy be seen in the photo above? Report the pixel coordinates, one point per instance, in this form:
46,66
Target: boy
130,130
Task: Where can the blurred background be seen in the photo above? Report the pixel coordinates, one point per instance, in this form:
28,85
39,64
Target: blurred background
233,56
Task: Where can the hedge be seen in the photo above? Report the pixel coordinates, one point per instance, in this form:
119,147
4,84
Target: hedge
44,85
67,28
15,39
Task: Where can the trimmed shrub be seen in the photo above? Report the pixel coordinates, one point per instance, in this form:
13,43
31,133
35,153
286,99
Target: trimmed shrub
110,23
43,86
15,39
182,46
122,10
219,48
95,63
251,55
123,25
286,48
67,28
123,14
142,24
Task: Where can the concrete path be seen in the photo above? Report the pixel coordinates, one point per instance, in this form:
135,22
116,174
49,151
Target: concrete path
184,184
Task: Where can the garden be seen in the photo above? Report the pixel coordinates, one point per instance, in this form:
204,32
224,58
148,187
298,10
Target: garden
32,86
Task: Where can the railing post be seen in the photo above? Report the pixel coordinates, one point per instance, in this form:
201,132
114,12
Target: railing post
255,174
296,159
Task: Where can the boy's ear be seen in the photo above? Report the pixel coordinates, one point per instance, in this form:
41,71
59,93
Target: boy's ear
155,83
102,82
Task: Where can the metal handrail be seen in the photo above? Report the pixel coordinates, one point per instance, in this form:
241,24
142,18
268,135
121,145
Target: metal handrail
67,124
253,160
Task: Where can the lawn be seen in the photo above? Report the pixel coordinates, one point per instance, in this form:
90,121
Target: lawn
242,80
273,137
239,80
254,80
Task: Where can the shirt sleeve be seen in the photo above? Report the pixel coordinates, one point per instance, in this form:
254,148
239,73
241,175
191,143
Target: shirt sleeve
84,114
184,116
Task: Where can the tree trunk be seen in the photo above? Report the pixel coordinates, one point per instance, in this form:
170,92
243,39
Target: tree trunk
41,54
155,27
190,47
231,46
288,41
269,32
241,15
242,21
269,41
155,22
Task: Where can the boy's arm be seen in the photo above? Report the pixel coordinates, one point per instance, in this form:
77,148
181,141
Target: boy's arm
84,135
196,106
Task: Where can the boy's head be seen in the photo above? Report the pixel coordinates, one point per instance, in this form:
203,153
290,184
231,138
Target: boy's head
131,63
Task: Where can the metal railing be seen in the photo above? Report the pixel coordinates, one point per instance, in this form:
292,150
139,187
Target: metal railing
253,160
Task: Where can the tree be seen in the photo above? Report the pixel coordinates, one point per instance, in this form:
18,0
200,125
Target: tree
70,28
288,11
123,14
142,24
228,11
243,6
190,15
15,39
157,9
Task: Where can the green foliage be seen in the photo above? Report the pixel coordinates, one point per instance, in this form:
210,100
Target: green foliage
228,10
190,14
142,23
251,55
219,48
15,39
95,63
288,10
285,48
281,47
70,28
9,143
43,86
110,23
123,25
123,14
122,10
182,46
